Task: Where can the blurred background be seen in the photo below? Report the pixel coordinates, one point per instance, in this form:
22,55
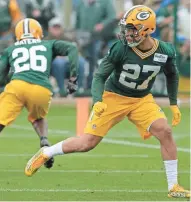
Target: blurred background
93,26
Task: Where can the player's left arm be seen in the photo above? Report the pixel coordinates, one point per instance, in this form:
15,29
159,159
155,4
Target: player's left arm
65,48
172,77
4,68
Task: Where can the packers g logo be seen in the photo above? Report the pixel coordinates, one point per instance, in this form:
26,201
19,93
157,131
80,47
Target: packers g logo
143,15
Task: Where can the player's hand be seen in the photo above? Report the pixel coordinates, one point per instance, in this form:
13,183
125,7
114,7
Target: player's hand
99,108
176,115
72,85
44,142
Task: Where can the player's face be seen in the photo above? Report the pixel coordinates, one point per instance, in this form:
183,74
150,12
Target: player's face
132,36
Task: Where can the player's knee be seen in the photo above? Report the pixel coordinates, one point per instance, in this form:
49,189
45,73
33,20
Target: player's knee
165,133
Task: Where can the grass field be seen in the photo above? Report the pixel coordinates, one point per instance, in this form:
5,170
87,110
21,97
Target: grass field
122,168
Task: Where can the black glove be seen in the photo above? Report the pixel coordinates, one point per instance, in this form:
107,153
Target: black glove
72,86
44,142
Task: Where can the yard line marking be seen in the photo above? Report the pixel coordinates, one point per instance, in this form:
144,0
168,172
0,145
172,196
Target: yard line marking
31,129
113,141
95,171
82,190
32,135
138,144
67,132
85,155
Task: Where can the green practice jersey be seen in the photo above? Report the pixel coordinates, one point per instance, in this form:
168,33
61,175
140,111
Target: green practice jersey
130,72
30,60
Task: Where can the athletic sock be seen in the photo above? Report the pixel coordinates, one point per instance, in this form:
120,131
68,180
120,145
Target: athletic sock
171,172
54,150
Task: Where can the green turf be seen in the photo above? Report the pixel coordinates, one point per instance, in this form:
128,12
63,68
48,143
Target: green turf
111,172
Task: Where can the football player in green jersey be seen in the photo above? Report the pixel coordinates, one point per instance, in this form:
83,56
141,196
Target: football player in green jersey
29,60
121,88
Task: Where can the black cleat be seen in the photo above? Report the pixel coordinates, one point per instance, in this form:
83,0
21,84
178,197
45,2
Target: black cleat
49,163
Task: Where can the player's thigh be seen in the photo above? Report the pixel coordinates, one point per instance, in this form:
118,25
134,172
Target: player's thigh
10,108
99,126
145,113
38,101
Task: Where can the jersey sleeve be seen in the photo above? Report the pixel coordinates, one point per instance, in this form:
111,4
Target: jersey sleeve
115,53
4,67
104,71
172,76
64,48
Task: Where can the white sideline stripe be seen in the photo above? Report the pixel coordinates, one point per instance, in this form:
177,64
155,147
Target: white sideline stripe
137,144
85,155
95,171
81,190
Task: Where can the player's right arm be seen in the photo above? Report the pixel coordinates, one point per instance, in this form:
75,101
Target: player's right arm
104,70
102,73
108,64
4,68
